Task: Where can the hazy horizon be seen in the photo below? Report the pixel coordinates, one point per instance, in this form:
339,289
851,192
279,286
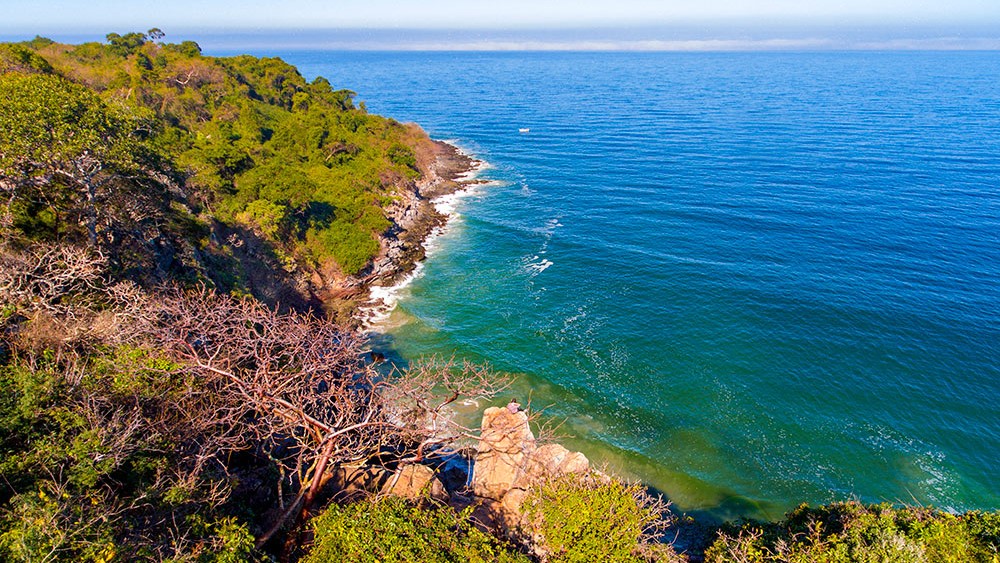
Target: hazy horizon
664,38
647,25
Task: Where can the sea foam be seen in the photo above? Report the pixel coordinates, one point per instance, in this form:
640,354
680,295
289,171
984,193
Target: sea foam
382,300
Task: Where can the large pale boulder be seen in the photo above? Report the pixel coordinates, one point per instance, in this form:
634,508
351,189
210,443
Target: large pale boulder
509,460
414,481
505,444
553,460
509,464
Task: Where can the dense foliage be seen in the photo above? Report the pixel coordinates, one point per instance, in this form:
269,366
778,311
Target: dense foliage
248,138
97,466
390,530
580,518
852,532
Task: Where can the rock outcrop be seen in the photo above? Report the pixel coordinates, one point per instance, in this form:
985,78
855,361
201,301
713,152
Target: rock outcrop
505,446
507,465
510,462
413,482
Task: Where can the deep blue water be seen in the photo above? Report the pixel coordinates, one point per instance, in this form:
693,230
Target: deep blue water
750,279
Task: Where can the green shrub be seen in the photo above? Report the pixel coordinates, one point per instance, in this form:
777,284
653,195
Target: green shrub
391,530
349,245
852,532
584,519
265,217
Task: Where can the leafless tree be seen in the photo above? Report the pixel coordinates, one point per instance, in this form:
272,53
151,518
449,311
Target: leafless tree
40,276
288,386
300,387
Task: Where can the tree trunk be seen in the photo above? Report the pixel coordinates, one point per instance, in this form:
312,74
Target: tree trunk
90,212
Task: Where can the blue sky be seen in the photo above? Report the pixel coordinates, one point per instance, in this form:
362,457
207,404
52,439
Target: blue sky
638,24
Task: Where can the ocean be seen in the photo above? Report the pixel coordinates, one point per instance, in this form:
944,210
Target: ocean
750,280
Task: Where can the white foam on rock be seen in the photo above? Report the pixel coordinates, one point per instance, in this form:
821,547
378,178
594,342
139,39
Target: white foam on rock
384,299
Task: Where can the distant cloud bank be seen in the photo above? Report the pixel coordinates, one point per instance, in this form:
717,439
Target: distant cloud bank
687,45
678,39
422,40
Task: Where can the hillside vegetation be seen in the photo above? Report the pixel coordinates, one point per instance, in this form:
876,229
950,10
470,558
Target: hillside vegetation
249,142
153,407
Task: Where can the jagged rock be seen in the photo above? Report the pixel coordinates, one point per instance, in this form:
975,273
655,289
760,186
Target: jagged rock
508,457
554,459
414,481
505,443
509,464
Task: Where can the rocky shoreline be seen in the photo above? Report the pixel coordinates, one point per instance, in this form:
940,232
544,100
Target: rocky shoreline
348,299
445,170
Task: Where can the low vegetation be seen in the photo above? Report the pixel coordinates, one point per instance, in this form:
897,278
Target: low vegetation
581,518
391,530
853,532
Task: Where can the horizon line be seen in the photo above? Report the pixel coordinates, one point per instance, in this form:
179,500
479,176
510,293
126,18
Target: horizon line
424,41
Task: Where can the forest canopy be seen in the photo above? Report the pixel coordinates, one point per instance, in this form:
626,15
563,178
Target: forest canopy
249,138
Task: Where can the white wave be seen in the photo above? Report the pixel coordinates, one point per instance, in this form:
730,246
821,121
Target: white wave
449,204
550,228
540,266
581,313
383,300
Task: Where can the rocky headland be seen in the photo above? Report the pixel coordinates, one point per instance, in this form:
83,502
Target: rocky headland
444,170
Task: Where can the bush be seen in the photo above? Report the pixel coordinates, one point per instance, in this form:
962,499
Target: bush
852,532
92,453
584,519
264,217
391,530
351,247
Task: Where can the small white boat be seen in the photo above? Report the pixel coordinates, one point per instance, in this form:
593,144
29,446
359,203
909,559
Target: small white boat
523,130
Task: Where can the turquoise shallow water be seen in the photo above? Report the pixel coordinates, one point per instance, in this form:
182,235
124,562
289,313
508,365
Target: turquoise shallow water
749,279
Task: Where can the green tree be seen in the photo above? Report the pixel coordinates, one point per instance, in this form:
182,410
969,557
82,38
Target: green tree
63,146
20,58
125,45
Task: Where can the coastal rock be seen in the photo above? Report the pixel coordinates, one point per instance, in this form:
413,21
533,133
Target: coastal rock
505,444
553,460
509,458
414,481
411,481
509,463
